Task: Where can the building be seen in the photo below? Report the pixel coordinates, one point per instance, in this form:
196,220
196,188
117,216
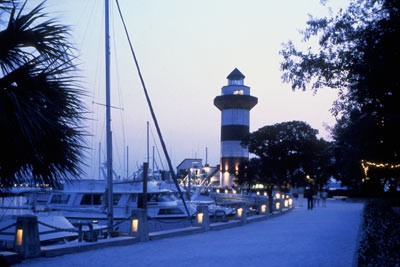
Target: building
188,164
200,174
235,103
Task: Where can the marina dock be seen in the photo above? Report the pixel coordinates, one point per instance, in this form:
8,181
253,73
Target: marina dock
325,236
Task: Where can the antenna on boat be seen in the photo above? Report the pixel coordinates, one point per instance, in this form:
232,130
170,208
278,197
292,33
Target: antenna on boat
110,214
152,166
127,162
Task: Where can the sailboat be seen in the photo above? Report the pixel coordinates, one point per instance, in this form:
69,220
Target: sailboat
107,200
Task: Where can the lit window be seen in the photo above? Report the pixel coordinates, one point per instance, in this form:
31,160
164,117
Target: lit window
238,92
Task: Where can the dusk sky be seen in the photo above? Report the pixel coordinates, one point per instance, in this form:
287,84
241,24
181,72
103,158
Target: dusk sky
186,48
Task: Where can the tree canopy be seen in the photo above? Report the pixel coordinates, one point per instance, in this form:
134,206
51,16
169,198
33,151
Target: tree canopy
289,153
40,106
357,54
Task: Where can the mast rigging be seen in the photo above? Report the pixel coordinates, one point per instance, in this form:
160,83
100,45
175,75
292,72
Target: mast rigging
153,115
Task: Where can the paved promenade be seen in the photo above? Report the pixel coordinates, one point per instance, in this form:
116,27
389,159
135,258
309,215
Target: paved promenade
324,236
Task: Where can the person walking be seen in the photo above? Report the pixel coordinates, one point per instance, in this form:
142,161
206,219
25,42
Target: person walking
309,195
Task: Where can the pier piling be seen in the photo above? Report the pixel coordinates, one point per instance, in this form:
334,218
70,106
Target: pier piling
27,242
138,225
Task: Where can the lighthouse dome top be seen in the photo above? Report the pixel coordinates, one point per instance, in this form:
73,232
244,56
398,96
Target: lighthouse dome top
236,75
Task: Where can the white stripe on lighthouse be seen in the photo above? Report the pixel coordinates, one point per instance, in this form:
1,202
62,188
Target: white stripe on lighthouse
235,117
233,149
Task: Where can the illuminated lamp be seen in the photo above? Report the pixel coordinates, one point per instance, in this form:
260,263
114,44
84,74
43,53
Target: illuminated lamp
263,208
135,225
200,217
18,237
240,212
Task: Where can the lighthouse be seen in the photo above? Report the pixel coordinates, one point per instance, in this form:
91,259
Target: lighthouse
235,103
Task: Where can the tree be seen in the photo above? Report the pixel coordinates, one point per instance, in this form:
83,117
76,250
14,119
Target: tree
357,52
248,172
289,152
40,109
323,163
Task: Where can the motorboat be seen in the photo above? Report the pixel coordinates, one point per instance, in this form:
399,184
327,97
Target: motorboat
86,201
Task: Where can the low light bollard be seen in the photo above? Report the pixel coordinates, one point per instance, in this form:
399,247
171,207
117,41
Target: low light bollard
290,202
278,202
286,203
27,241
263,209
278,205
202,217
138,225
241,213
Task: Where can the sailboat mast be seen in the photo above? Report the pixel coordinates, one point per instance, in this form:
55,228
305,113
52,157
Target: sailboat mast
148,142
99,177
108,119
127,162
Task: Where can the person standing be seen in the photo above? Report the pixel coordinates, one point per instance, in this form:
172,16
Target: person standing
309,195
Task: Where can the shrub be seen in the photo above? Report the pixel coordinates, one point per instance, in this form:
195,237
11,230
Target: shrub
380,242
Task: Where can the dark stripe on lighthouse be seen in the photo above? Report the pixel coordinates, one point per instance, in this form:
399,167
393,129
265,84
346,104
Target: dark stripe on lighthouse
234,132
235,101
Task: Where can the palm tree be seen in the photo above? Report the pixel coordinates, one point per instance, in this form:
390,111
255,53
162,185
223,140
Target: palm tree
40,108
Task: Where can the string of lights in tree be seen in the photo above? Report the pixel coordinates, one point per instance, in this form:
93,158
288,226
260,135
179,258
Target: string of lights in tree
366,164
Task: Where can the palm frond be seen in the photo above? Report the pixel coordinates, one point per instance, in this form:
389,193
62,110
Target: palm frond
40,107
32,34
6,5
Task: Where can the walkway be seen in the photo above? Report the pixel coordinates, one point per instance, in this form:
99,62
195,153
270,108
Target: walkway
325,236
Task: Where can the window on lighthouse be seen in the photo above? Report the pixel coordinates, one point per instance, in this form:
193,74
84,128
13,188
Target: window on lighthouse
235,82
238,92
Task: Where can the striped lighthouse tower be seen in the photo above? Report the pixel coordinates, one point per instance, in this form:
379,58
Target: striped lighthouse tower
235,103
